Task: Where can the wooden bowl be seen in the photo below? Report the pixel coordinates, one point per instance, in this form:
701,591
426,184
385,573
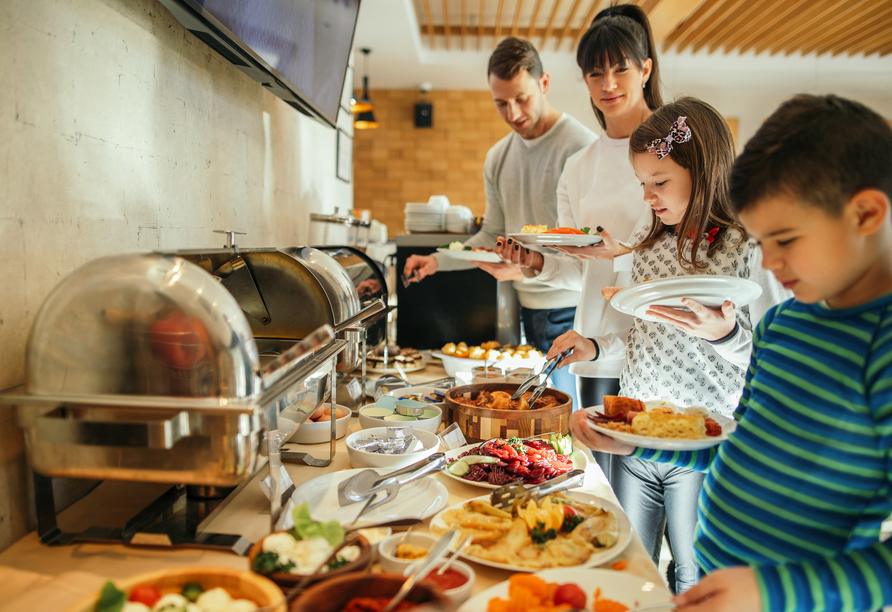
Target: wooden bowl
479,424
240,584
333,595
286,580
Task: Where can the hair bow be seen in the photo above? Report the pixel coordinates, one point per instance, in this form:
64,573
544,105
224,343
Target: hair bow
709,236
679,132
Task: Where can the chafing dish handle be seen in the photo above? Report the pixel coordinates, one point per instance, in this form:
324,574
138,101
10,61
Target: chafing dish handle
373,308
315,340
65,426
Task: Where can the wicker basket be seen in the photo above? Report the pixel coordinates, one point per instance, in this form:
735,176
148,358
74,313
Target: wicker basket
479,424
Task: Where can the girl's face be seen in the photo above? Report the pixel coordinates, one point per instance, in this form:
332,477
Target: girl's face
617,90
667,186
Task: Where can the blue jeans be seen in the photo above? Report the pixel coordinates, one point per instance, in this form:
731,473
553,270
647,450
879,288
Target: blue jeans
542,327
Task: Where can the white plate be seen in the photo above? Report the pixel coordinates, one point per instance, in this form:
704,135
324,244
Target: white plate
486,256
570,240
453,364
709,290
420,391
673,444
598,558
391,369
418,499
578,457
618,586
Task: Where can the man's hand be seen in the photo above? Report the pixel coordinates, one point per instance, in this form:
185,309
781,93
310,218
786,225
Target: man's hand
707,323
594,440
426,265
502,271
608,249
512,252
583,348
733,589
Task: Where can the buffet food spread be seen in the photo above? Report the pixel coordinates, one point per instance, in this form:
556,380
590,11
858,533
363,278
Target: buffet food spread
500,461
490,351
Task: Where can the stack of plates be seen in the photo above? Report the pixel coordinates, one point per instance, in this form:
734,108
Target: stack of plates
458,219
426,217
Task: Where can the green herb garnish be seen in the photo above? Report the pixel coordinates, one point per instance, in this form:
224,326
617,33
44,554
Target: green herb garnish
538,536
337,562
586,230
517,444
111,598
571,521
268,563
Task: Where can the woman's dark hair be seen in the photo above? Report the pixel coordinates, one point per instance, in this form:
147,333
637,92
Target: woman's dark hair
618,34
708,156
513,55
817,150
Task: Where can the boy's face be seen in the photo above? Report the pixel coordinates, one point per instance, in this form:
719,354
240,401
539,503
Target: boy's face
815,255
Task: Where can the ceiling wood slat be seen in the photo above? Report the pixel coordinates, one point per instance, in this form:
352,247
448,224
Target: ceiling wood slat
566,30
586,22
717,17
881,48
748,38
516,23
480,19
690,24
882,31
491,31
849,41
784,28
746,13
818,28
667,15
648,5
499,13
549,27
446,23
464,23
430,25
802,27
536,9
844,25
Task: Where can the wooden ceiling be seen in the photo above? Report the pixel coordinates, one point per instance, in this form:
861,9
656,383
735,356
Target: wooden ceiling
848,27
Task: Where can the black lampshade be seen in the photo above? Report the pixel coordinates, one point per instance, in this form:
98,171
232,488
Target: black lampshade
365,121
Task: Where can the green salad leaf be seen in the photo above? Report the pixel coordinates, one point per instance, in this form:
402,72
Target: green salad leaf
111,598
306,527
585,229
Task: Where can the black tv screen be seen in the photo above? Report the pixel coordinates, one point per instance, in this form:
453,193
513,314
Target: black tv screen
298,49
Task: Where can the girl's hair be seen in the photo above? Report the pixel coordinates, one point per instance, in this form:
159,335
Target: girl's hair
708,156
619,34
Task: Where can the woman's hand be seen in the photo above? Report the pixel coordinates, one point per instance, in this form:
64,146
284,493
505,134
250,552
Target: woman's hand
707,323
607,249
501,271
583,348
594,440
514,253
733,589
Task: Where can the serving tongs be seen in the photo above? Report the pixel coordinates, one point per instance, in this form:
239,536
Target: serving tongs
515,494
365,486
549,368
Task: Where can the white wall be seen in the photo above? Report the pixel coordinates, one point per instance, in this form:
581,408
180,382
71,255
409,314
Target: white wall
121,131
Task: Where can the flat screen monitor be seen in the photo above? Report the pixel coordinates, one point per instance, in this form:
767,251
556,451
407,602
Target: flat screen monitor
298,49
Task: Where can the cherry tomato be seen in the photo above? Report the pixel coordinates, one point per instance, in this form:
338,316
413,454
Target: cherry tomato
570,594
145,594
568,511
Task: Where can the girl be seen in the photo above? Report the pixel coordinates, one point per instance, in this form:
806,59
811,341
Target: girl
682,156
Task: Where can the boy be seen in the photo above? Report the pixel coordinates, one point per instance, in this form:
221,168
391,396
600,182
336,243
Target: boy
792,503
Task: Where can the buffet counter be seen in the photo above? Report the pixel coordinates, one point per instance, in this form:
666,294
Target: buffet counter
38,577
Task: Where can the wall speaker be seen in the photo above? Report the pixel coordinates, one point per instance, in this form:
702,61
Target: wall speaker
424,115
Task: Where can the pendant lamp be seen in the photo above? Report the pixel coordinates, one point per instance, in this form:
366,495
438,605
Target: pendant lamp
363,107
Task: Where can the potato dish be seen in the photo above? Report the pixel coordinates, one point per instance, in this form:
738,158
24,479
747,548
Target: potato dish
490,351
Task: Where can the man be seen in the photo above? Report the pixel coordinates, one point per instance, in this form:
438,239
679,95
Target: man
520,177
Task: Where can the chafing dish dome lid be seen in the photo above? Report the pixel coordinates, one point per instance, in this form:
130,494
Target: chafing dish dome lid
148,324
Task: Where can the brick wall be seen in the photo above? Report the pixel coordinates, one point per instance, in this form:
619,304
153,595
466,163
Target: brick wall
399,163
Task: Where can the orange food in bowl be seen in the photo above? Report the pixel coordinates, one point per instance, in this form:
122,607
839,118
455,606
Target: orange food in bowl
565,230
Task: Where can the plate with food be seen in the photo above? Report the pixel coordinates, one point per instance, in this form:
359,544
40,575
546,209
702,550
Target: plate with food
708,289
420,499
540,235
589,590
560,530
410,359
492,464
467,253
659,425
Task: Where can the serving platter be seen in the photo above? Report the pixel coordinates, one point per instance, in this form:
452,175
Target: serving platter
570,240
673,444
420,499
710,290
579,458
484,256
597,558
618,586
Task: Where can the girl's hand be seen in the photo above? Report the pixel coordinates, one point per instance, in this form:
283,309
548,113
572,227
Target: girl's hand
707,323
583,348
608,249
517,254
594,440
733,589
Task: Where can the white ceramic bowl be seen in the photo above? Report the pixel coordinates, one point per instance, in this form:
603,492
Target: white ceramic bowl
374,536
430,425
453,364
417,391
392,564
318,433
361,458
459,594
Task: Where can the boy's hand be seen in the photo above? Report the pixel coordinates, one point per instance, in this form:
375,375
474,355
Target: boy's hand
594,440
733,589
707,323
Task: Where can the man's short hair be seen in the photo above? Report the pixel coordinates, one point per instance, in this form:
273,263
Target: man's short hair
513,55
817,150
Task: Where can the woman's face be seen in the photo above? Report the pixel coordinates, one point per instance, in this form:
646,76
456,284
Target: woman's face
618,90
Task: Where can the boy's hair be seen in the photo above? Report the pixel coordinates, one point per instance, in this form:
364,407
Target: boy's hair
818,150
618,34
513,55
708,156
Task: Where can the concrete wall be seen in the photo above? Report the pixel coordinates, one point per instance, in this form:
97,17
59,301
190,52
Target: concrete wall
120,131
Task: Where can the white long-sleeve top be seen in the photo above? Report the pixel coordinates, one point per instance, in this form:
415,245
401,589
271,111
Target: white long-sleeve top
598,187
663,362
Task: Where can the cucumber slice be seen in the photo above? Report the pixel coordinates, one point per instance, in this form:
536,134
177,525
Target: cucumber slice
459,468
471,459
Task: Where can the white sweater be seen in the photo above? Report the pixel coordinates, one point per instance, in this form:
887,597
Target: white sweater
597,188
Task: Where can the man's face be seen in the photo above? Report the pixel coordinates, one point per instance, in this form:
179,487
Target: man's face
813,254
521,102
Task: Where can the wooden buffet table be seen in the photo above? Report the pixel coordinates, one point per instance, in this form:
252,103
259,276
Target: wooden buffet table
37,577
